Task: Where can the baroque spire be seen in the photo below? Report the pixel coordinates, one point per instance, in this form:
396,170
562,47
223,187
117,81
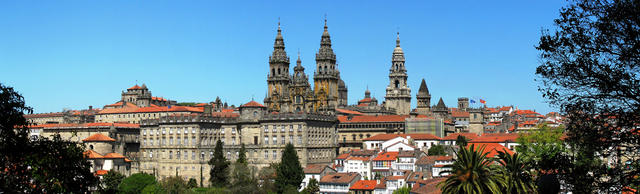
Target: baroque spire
325,52
279,55
398,54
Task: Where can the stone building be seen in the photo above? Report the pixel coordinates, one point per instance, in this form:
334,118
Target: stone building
110,146
287,93
398,92
66,116
184,143
424,99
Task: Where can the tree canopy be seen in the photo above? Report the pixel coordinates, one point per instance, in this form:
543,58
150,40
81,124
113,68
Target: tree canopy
136,182
289,171
436,150
590,71
219,174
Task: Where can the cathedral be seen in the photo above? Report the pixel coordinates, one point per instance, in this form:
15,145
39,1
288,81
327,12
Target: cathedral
293,93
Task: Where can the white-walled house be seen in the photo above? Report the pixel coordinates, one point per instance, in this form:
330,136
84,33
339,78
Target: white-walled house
359,164
315,171
338,182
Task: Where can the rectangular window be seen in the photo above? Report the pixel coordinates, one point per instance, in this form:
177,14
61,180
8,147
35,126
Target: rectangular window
202,155
266,154
144,132
193,155
193,141
233,141
171,141
283,140
150,141
290,128
266,128
178,155
233,130
178,130
266,140
275,128
170,130
299,139
151,154
186,141
164,141
291,139
255,140
193,130
163,130
222,131
210,154
178,141
299,128
275,154
157,131
275,140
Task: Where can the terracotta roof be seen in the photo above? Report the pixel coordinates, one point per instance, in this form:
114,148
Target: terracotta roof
92,154
101,172
444,158
386,156
314,168
364,185
86,125
362,158
505,108
491,148
114,155
496,138
158,98
136,87
98,137
253,104
365,100
454,136
127,160
343,156
351,112
415,136
372,118
429,186
459,114
426,160
343,178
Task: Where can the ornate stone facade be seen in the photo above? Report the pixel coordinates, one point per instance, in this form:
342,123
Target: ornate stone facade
398,92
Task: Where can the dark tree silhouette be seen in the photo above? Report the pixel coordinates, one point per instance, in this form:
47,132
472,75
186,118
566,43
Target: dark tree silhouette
40,165
219,175
289,172
590,70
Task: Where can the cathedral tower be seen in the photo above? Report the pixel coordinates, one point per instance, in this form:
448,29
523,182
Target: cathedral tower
424,99
303,97
278,78
326,79
398,92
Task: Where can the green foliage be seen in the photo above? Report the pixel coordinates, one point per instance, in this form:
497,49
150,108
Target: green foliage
154,188
461,141
289,171
290,189
242,155
312,187
174,185
589,70
110,182
136,182
402,190
219,174
267,177
436,150
192,183
472,172
243,180
34,166
210,190
516,172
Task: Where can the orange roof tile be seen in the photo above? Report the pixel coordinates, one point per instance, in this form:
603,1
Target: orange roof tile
127,160
371,118
443,158
394,178
314,168
386,156
253,104
343,156
101,172
361,158
136,87
490,148
459,114
454,136
92,154
114,155
345,111
364,185
415,136
98,137
85,125
152,109
365,100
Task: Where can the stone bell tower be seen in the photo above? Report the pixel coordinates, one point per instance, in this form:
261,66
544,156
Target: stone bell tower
398,92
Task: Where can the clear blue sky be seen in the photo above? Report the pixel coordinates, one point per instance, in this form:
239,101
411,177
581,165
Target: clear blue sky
72,54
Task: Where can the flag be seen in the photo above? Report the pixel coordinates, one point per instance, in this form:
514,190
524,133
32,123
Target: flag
169,107
482,101
472,101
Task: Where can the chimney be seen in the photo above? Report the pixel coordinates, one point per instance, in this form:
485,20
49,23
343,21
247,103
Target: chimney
90,107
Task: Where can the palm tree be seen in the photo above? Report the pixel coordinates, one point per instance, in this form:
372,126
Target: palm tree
472,172
516,173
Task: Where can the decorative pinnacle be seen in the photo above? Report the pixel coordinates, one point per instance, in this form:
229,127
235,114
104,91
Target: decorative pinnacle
279,24
325,22
398,40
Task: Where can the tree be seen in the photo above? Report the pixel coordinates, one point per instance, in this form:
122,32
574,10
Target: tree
136,182
544,149
192,183
174,185
312,188
517,174
154,188
110,182
589,70
472,172
219,175
42,165
461,141
289,171
266,178
242,176
436,150
402,190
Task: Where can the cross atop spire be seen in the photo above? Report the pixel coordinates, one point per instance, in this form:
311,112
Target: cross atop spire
325,22
398,40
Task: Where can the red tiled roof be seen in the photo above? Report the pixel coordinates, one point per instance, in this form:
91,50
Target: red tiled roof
158,98
365,100
364,185
314,168
92,154
351,112
371,118
444,158
343,156
454,136
85,125
136,87
339,177
362,158
101,172
459,114
491,148
98,137
253,104
496,138
114,155
386,156
127,160
505,108
415,136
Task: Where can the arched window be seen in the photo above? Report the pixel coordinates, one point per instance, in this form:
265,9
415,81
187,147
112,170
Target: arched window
91,147
255,113
278,71
273,72
397,83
